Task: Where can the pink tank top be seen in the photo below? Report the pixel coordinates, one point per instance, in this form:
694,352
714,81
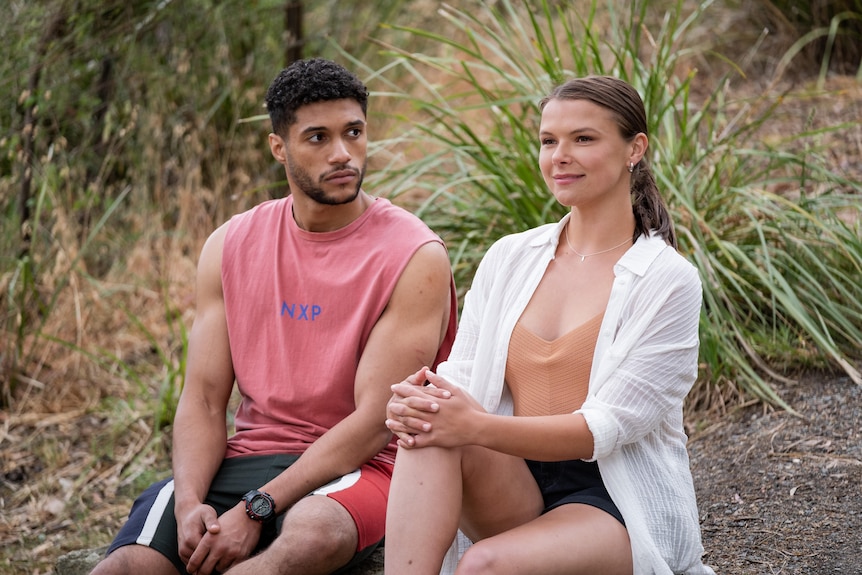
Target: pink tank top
300,307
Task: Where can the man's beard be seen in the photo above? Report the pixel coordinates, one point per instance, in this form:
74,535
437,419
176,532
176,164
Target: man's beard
313,190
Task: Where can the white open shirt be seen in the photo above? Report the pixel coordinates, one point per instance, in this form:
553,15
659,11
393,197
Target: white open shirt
645,363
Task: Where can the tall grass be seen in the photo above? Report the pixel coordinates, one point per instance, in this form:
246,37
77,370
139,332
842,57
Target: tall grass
768,228
830,32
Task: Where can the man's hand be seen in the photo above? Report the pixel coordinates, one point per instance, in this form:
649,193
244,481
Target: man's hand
226,541
192,525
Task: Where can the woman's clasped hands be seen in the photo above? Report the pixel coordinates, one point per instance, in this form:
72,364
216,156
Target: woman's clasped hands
426,410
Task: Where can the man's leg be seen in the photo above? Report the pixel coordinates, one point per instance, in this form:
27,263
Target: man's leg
135,559
318,536
148,539
338,525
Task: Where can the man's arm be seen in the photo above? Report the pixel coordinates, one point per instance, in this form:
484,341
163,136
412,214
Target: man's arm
200,431
405,338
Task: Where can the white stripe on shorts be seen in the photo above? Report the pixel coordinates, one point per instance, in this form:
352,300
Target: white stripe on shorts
155,514
340,484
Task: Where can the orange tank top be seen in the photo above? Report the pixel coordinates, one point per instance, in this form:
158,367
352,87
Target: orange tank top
551,377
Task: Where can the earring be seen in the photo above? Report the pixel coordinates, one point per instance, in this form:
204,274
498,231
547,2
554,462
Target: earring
631,167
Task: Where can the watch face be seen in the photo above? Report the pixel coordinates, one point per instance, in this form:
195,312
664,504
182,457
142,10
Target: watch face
260,505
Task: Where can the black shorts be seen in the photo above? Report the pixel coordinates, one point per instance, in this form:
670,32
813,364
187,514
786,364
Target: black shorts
573,481
363,493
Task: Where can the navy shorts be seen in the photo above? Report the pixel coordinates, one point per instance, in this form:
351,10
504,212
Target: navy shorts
363,493
573,481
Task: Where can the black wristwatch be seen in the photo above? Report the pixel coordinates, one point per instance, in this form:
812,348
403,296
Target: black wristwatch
259,505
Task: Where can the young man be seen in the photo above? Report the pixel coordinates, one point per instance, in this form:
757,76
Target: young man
314,304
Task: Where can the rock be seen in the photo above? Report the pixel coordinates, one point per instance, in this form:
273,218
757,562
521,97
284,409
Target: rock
371,566
79,562
82,561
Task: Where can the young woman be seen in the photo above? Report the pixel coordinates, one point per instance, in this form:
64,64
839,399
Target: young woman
553,438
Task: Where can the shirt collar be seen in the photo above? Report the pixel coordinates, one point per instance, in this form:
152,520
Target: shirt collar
637,258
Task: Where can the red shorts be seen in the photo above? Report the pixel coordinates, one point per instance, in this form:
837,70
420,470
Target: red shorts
363,493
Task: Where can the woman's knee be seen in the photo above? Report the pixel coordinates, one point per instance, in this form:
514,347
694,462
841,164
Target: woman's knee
481,559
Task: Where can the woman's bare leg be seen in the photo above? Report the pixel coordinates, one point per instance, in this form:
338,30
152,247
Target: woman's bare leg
423,510
573,539
435,489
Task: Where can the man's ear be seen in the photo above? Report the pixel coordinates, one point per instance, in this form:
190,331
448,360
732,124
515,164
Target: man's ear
278,147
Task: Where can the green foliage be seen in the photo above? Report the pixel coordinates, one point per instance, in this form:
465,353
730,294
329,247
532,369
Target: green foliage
778,273
830,30
137,126
113,109
124,131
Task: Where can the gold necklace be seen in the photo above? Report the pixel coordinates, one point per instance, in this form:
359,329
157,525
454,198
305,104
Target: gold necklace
584,256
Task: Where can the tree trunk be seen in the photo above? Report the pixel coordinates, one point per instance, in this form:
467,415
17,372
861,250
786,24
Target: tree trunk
28,131
295,41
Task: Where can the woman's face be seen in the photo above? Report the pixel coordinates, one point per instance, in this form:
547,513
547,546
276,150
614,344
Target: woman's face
583,158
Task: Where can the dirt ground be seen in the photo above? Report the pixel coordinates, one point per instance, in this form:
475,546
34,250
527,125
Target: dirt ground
782,493
778,493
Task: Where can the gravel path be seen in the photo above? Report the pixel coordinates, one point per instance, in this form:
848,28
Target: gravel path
780,493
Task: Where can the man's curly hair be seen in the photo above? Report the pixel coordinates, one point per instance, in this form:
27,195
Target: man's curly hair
307,82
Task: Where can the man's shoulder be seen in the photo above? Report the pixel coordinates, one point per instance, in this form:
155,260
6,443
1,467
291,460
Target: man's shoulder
388,214
267,209
266,206
385,207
